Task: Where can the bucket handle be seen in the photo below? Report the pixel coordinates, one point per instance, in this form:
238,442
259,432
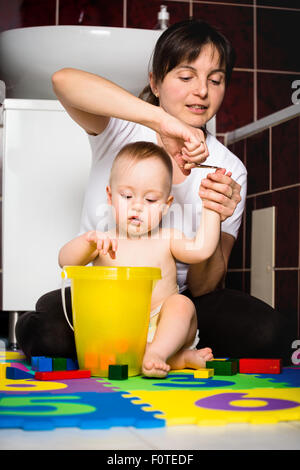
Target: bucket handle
64,276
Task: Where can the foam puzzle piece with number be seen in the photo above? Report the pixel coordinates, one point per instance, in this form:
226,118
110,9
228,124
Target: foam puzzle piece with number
83,410
30,386
184,379
221,407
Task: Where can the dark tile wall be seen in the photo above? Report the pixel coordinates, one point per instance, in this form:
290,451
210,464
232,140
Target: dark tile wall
272,158
265,34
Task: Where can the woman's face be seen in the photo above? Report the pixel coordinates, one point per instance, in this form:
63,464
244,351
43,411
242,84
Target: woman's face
194,91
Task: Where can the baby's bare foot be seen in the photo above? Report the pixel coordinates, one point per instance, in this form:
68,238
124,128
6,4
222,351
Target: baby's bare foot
191,358
197,358
154,365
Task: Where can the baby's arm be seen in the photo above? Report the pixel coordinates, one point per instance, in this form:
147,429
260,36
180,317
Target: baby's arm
203,245
85,248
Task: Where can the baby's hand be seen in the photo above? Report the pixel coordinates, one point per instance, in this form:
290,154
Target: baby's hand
104,244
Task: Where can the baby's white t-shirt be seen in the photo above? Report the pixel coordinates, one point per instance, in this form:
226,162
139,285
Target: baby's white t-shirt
185,212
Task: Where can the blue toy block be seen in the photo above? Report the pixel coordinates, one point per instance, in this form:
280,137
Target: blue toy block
41,363
34,362
72,364
17,374
45,364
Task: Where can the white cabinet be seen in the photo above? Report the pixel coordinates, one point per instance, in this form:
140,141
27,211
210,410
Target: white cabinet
46,161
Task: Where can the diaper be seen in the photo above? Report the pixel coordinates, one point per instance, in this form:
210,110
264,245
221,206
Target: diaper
154,316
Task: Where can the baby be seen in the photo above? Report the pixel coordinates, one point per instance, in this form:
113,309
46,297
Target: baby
139,193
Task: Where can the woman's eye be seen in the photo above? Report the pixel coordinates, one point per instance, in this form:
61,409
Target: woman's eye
185,79
215,82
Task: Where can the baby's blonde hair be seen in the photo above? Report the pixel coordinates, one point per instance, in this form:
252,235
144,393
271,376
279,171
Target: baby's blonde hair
141,150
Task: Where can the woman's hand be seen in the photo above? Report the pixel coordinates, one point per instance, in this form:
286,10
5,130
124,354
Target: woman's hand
103,243
220,193
182,142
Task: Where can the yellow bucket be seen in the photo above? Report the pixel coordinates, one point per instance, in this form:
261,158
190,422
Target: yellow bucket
111,314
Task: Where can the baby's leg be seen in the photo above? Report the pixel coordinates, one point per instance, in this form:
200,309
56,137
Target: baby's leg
175,332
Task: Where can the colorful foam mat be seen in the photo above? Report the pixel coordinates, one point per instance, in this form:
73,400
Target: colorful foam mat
98,403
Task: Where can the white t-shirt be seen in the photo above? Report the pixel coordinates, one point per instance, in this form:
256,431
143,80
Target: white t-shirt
185,212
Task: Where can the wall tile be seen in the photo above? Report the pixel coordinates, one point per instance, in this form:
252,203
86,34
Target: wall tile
277,38
91,12
287,225
258,162
243,2
247,280
33,13
236,257
26,13
279,3
10,14
274,92
286,153
237,108
143,14
236,23
286,298
250,206
239,149
234,280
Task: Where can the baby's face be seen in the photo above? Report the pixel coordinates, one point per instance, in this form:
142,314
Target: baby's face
139,193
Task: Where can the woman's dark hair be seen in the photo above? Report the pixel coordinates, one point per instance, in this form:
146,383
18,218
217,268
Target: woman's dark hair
183,41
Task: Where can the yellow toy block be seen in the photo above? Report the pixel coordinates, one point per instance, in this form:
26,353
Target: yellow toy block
203,373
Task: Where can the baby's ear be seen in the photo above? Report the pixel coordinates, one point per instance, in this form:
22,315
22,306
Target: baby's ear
167,204
108,193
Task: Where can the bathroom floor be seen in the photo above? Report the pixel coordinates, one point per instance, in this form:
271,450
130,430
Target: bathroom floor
281,436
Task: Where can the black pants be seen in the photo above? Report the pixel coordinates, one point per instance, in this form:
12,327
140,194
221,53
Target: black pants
232,323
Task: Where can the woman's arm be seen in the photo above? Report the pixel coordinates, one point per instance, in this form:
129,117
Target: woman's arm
210,274
91,100
220,193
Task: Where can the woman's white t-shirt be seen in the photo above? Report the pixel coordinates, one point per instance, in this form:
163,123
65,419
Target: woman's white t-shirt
185,212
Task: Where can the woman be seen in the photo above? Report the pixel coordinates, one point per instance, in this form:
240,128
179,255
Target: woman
192,65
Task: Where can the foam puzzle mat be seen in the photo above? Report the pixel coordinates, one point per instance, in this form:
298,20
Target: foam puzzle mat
179,399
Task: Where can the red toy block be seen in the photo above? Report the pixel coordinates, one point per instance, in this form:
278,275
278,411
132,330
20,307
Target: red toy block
63,374
260,366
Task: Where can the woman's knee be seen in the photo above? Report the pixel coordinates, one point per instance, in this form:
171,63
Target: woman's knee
52,301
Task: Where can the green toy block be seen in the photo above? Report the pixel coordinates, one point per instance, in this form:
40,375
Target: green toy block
237,363
228,367
118,371
59,363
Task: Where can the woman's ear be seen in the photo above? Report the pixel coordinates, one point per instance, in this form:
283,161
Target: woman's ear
108,193
153,85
